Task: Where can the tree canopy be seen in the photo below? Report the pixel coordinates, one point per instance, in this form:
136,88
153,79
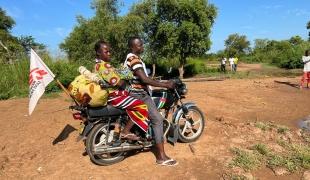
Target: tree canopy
11,47
237,45
177,29
8,43
170,28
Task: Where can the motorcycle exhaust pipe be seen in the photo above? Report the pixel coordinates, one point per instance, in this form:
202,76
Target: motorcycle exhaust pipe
102,150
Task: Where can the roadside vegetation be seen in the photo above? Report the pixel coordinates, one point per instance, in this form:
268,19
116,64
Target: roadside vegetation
169,46
286,153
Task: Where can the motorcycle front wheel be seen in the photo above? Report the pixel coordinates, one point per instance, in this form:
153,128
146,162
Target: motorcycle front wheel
97,137
192,126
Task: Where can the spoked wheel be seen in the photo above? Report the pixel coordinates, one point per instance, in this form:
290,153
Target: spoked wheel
191,127
97,138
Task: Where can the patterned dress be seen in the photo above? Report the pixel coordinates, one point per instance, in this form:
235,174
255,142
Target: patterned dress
136,109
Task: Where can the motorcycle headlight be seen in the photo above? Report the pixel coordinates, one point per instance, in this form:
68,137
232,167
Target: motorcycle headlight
183,90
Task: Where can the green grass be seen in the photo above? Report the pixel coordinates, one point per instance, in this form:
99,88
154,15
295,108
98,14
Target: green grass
14,78
263,126
261,149
245,160
269,126
282,129
295,157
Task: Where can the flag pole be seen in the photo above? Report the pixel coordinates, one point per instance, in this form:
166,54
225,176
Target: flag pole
66,91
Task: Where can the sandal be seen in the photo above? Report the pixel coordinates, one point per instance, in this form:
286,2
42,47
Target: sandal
168,162
130,136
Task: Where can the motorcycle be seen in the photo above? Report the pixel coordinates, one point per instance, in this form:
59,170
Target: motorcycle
99,124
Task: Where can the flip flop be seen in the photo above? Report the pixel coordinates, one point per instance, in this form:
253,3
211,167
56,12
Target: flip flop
168,162
130,136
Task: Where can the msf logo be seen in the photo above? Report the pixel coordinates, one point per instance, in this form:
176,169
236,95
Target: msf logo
36,74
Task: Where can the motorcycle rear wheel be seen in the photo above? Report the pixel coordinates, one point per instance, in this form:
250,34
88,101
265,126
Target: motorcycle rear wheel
191,132
97,137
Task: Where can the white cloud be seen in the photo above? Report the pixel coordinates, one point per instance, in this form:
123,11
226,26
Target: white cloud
298,12
272,7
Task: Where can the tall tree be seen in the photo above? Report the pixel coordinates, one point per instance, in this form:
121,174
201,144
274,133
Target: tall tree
8,43
237,45
6,22
79,45
29,42
177,28
13,48
308,27
296,40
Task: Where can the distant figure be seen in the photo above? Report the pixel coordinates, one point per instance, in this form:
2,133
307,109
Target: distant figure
223,64
306,74
235,63
231,62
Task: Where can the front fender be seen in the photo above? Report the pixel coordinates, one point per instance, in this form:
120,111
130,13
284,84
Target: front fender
179,111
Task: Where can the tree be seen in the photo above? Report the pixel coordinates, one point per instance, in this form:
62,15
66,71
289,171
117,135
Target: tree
6,22
8,43
177,28
308,27
260,44
237,45
79,45
28,42
120,31
296,40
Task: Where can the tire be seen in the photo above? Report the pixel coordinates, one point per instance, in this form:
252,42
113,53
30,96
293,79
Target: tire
184,125
96,135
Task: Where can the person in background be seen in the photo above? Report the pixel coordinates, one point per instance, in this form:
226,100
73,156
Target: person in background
235,63
140,90
223,64
306,74
231,62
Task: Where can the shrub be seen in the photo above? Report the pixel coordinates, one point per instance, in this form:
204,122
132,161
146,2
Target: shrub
14,77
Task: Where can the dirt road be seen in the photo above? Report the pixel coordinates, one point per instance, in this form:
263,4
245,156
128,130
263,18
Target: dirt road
27,150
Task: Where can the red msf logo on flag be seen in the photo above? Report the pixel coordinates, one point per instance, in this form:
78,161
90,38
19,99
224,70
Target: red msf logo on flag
39,77
36,74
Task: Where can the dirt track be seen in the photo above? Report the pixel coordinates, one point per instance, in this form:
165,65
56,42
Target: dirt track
27,152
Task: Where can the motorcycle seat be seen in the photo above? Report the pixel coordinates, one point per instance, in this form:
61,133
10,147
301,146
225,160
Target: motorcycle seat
105,111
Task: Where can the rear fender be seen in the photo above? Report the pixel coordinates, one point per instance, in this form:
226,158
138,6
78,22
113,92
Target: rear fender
90,126
86,131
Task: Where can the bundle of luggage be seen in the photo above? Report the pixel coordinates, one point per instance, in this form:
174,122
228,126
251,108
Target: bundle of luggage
86,89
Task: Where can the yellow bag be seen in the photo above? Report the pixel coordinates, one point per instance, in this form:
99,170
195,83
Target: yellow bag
88,92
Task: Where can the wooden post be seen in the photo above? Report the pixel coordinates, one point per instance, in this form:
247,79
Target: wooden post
66,91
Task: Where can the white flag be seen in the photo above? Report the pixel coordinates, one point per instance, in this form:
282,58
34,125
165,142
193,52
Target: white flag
39,77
